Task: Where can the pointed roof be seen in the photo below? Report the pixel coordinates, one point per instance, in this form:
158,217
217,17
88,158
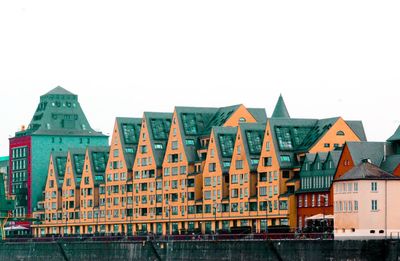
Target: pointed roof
395,136
59,91
59,113
280,110
366,170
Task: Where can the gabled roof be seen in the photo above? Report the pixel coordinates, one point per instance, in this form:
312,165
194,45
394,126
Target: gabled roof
159,125
59,164
224,138
395,136
196,122
59,113
280,110
373,151
129,129
252,137
358,128
77,162
98,157
259,114
366,170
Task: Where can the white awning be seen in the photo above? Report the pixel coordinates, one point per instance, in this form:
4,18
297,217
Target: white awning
15,228
319,216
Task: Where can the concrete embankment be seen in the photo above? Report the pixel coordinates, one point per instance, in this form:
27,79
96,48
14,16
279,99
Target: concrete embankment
203,250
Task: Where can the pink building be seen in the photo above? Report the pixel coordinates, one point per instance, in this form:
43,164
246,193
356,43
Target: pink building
366,203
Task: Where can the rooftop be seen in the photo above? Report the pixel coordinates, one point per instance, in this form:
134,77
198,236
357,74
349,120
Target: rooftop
368,171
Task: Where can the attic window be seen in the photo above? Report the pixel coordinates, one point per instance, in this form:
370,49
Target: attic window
340,133
242,119
190,142
285,158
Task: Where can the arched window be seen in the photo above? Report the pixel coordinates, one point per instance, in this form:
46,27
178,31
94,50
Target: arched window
242,119
340,133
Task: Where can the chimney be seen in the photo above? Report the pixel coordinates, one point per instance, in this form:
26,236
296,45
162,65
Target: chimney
384,152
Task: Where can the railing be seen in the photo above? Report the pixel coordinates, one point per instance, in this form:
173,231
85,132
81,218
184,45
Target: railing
190,237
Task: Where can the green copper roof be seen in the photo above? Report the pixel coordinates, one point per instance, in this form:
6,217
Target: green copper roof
59,91
280,110
252,137
159,125
4,158
59,113
224,138
395,136
129,129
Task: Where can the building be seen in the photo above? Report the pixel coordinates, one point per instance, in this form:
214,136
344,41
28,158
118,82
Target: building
286,143
366,203
57,124
315,196
5,170
206,170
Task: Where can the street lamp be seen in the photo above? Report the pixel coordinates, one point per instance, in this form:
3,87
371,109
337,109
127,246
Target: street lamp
323,208
266,217
215,217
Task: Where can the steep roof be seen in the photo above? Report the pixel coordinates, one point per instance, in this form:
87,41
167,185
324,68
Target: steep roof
59,113
159,125
98,157
366,170
252,137
358,128
373,151
59,163
280,110
77,162
196,122
129,129
259,114
224,138
395,136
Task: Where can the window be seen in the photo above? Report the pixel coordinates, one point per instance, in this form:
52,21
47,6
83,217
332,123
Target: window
340,133
234,193
116,153
285,158
355,186
207,194
263,191
267,146
239,150
207,181
143,149
174,145
234,179
182,170
374,205
166,171
327,145
374,186
190,142
267,161
212,167
300,201
174,171
239,164
158,146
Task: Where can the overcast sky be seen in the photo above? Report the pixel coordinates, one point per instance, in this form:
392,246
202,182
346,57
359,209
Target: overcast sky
327,58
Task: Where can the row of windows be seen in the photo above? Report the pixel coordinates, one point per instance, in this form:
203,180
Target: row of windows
19,164
320,199
175,171
117,176
20,152
316,182
344,187
347,206
263,190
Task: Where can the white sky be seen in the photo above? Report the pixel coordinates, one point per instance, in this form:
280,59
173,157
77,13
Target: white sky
327,58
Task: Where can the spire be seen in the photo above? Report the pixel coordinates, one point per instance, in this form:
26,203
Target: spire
280,110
